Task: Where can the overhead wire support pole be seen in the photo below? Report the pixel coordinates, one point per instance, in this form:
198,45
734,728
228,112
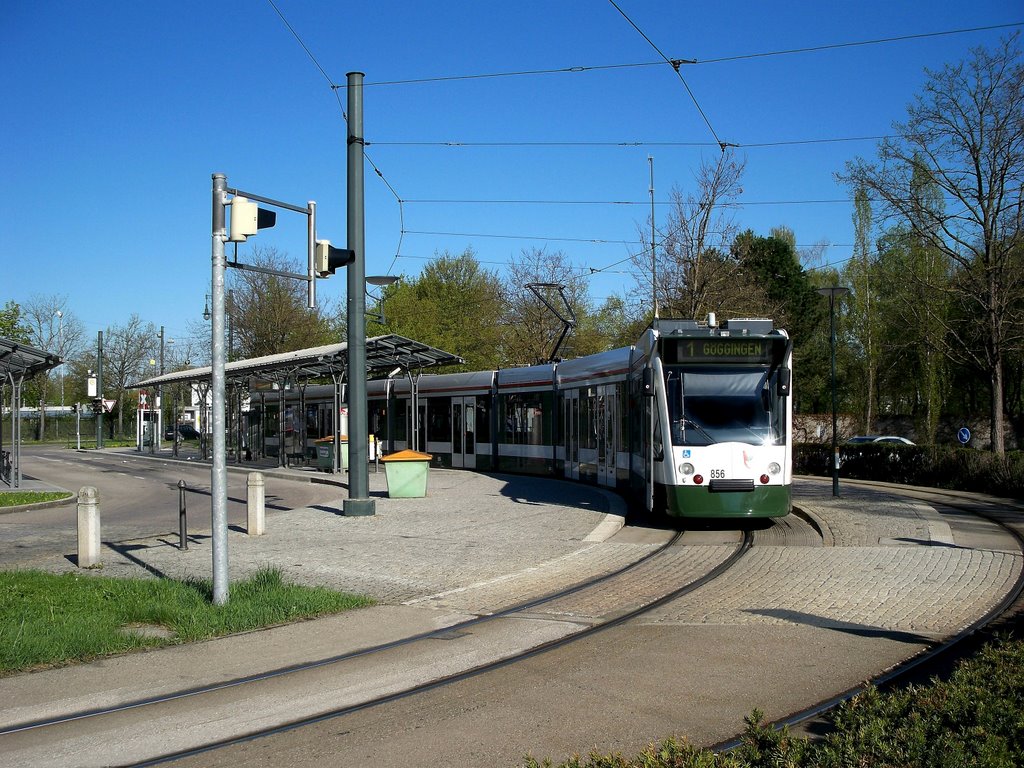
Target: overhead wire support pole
358,501
219,469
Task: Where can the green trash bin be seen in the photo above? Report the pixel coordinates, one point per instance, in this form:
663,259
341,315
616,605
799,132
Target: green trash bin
325,453
406,473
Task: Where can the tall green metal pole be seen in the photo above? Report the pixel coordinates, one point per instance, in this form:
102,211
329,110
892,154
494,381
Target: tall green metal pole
358,501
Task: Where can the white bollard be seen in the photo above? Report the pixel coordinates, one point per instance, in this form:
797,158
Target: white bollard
88,527
256,525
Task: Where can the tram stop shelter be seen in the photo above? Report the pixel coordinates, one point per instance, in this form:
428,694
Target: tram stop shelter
18,362
388,355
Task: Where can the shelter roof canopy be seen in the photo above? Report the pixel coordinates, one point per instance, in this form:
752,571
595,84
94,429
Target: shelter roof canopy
383,353
22,360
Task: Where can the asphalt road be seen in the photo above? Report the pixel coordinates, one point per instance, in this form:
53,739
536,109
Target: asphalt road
138,498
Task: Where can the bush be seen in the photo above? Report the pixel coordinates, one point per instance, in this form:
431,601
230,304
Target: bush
960,469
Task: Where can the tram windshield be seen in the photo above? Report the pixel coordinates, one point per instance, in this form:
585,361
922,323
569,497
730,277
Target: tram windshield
720,405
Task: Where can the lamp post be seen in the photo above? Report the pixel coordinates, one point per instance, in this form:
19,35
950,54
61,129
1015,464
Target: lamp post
60,351
832,292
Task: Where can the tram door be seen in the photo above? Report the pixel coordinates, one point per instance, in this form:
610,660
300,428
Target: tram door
606,417
571,407
464,432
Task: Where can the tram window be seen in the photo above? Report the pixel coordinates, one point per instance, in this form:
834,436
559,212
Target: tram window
401,419
312,422
483,421
439,419
722,405
525,422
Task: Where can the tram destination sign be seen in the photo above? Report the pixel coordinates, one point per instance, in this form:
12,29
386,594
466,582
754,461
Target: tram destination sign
719,349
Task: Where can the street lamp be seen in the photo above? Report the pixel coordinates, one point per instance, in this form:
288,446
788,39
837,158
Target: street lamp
832,292
380,281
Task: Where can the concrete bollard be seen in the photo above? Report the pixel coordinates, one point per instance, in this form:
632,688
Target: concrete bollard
88,527
256,525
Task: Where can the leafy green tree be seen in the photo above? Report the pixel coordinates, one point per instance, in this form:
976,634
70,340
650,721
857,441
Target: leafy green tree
454,305
775,285
859,276
966,130
11,325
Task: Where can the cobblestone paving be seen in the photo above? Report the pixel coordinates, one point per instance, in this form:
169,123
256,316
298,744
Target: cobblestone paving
469,529
894,567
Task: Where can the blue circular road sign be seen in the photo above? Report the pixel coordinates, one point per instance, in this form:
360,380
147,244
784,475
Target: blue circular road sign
964,435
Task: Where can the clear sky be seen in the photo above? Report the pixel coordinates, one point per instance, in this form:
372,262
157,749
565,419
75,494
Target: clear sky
117,113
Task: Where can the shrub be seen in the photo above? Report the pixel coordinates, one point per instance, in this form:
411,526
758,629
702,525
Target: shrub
960,469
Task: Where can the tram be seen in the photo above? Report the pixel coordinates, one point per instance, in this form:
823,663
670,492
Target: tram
694,420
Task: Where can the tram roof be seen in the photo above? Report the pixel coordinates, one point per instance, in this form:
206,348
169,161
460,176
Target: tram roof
383,353
22,360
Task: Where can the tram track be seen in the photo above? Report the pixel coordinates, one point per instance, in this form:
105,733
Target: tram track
225,693
813,721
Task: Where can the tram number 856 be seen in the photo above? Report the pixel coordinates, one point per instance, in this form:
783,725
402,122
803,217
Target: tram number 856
718,474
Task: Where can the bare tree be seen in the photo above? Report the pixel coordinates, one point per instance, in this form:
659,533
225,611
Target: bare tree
127,350
54,328
268,314
694,272
531,328
967,129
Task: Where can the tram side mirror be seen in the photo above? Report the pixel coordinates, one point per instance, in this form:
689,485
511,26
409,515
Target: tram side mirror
648,382
785,381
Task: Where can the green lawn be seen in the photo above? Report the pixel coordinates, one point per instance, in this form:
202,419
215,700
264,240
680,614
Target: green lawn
48,619
16,498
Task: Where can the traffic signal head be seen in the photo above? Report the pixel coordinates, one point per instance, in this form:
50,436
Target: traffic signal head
247,218
328,258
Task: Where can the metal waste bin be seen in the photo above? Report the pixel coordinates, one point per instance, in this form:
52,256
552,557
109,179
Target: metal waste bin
406,473
325,453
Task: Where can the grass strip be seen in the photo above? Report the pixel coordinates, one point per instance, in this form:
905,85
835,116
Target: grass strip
50,620
16,498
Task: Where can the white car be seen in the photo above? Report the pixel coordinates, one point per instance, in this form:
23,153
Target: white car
880,439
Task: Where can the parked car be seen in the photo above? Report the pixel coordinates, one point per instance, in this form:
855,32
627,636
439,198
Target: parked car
879,439
187,432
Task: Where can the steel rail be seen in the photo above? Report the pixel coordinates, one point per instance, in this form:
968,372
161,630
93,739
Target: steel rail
691,586
341,657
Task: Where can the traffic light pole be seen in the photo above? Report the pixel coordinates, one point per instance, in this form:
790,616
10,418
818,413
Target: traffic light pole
219,469
358,501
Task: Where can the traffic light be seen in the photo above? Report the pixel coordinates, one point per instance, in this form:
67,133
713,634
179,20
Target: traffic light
247,218
328,258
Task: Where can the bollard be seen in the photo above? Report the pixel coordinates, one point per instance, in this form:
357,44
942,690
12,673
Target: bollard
182,520
256,525
88,527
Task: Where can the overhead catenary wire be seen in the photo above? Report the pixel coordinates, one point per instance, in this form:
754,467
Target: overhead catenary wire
335,89
675,63
578,69
626,144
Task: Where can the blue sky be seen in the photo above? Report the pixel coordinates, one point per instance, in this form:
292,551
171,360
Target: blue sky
117,113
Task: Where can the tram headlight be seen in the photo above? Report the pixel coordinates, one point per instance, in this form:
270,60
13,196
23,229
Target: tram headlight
686,469
774,468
